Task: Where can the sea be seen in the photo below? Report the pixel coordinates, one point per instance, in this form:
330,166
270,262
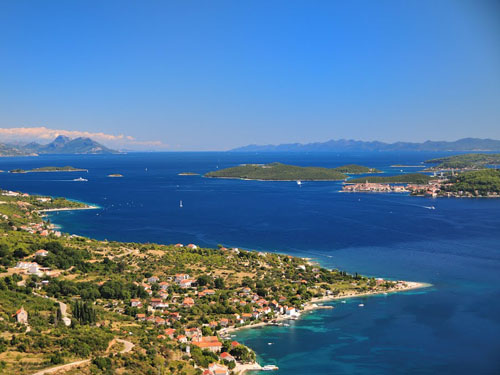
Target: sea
452,327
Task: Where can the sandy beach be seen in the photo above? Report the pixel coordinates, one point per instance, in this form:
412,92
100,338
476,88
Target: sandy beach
69,209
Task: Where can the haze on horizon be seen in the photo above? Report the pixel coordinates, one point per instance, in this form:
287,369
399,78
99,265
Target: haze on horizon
193,75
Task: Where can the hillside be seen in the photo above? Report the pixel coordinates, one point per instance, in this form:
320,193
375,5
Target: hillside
409,178
465,161
342,145
478,183
278,172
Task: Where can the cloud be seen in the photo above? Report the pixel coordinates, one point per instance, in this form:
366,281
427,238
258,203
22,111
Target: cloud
45,134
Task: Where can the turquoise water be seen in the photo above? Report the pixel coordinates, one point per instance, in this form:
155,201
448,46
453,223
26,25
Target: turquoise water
453,327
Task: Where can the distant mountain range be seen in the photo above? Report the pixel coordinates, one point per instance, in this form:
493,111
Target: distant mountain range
465,144
60,145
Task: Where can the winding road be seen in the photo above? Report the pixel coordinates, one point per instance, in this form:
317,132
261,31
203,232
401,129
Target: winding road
128,346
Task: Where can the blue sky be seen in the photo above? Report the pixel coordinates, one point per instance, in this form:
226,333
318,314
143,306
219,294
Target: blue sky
212,75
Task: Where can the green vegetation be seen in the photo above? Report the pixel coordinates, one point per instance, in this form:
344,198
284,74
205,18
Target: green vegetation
356,169
49,169
465,161
409,178
477,183
284,172
278,172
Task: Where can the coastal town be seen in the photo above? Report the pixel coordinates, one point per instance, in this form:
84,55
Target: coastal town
462,184
174,307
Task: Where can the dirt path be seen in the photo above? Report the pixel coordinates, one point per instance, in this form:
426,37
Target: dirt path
127,348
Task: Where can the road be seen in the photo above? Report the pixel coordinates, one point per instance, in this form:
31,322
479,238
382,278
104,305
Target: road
128,346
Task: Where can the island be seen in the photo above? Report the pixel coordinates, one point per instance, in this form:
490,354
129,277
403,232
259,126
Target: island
464,162
49,169
284,172
105,307
115,175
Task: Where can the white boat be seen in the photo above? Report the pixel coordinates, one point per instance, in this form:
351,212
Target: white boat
361,305
299,182
180,204
269,368
430,207
80,179
343,302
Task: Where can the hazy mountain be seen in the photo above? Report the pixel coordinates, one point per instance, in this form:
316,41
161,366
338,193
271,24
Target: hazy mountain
465,144
7,150
60,145
66,145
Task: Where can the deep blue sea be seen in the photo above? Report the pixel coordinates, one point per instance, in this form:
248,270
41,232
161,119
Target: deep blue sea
451,328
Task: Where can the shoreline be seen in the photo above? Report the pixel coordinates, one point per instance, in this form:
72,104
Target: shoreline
311,306
89,207
313,303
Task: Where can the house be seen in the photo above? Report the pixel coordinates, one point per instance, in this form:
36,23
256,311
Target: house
224,322
186,283
181,276
291,311
41,253
192,246
153,279
234,344
21,316
160,321
188,302
211,343
163,285
170,332
213,324
179,245
246,316
227,357
209,292
217,369
175,315
182,339
190,332
135,303
141,317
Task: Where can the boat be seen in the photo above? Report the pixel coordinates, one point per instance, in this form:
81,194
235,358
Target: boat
299,182
269,368
80,179
430,207
361,305
180,204
343,302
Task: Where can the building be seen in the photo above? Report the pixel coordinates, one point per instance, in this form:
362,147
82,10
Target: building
21,316
41,253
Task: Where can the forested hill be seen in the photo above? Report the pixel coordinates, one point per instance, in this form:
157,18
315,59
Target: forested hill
284,172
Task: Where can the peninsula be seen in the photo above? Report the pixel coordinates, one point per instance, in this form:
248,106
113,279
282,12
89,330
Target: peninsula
285,172
77,304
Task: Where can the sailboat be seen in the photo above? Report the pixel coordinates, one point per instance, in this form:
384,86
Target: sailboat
180,204
299,182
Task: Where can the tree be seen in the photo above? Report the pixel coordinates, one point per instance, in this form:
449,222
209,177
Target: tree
219,283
